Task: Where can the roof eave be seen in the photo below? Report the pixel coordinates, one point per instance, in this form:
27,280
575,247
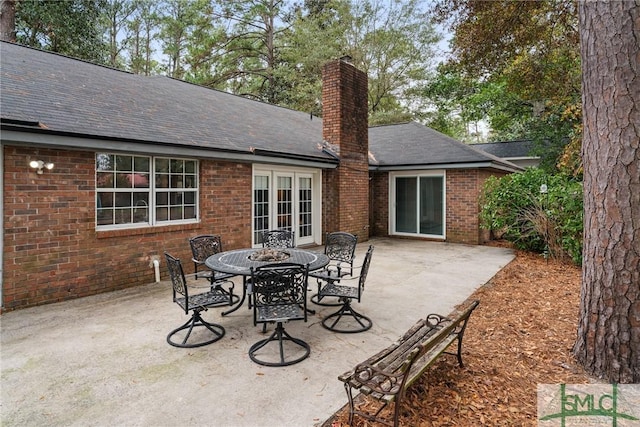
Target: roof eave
461,165
91,143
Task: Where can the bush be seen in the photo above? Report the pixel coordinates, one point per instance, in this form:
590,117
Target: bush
514,208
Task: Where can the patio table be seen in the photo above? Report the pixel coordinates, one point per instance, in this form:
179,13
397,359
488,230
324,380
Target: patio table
239,262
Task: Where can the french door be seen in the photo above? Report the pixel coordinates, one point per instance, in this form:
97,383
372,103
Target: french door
287,200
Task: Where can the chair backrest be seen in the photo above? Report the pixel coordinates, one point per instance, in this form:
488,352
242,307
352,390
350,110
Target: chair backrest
205,245
280,284
341,247
277,239
365,268
176,273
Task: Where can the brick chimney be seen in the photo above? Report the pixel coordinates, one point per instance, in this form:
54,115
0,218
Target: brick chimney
345,129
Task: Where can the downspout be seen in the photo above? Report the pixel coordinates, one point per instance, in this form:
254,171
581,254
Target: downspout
154,263
156,269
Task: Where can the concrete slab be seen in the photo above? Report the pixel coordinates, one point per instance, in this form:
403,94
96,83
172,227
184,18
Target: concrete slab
103,360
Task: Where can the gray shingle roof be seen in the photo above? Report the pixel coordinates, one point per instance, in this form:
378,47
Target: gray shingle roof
412,144
507,149
68,95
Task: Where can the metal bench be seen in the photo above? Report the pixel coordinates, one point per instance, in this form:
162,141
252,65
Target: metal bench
388,374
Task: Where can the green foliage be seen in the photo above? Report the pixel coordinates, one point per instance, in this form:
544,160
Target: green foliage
70,27
515,208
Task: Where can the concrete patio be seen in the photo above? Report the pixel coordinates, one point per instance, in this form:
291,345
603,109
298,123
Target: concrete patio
104,360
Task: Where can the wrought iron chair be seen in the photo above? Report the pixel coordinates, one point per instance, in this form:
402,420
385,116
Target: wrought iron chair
346,319
202,247
196,303
340,247
279,295
278,239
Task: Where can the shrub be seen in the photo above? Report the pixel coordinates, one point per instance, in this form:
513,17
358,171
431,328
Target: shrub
514,208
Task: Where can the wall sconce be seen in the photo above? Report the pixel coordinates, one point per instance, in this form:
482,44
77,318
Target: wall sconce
39,164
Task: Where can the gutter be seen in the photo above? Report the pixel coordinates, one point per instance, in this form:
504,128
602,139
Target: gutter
74,142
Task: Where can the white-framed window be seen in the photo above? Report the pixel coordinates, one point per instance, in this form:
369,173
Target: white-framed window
417,203
288,199
138,191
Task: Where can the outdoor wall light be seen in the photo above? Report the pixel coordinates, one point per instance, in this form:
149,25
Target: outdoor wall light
39,164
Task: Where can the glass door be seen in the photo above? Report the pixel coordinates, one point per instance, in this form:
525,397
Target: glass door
418,205
284,202
305,210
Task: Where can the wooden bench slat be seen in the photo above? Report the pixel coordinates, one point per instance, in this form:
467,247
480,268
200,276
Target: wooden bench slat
387,374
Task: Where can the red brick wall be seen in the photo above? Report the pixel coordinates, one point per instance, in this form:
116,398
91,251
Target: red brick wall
463,205
464,187
379,204
52,251
345,124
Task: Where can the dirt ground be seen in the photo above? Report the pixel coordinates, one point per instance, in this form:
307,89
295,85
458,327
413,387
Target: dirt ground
520,335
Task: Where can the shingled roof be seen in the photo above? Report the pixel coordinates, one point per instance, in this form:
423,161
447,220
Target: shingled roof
50,93
70,96
413,145
508,149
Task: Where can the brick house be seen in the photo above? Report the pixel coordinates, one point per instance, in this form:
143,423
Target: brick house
140,164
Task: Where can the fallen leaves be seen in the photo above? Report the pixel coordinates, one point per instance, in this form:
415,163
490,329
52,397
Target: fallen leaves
520,336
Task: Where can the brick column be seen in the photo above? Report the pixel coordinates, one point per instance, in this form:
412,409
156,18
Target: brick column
345,129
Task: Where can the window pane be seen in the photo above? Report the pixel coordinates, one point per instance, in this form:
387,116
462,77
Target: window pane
260,207
104,180
162,214
162,181
105,200
123,216
189,212
124,163
162,165
123,199
162,198
284,203
190,167
190,181
189,198
105,162
431,203
141,164
105,217
177,166
304,208
406,205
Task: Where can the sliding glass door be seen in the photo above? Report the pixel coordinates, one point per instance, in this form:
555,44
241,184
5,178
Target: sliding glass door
418,205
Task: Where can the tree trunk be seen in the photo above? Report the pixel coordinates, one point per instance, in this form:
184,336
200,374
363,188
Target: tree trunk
608,340
8,20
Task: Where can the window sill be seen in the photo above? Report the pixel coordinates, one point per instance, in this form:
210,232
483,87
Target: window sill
126,232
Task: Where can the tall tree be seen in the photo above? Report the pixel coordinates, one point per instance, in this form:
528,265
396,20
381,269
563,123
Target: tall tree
70,27
252,53
179,20
141,30
608,341
115,16
392,41
530,52
8,20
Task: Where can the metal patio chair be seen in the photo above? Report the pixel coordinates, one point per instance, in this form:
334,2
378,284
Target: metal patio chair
202,247
340,247
279,295
278,239
346,319
195,303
